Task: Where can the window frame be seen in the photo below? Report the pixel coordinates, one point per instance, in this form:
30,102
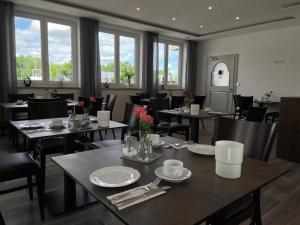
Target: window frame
45,17
117,32
170,41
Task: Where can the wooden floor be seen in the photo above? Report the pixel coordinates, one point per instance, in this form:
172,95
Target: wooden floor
280,199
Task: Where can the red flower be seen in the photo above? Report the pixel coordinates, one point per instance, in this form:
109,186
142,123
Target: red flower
139,110
81,104
92,99
145,117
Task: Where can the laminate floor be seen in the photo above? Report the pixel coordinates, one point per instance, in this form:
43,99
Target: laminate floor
280,199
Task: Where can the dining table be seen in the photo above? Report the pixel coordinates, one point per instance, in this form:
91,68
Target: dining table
190,202
194,119
67,201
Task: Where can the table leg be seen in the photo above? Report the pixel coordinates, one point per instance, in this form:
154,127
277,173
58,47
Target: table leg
195,129
256,196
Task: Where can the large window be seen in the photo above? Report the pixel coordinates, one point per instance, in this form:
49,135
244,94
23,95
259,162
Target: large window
45,49
170,63
119,57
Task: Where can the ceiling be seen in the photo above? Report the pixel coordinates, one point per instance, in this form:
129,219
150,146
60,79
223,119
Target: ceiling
156,15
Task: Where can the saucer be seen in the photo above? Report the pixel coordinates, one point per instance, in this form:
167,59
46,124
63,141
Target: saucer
159,144
185,175
202,149
61,126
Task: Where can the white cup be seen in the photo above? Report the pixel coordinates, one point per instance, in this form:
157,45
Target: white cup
195,109
57,122
103,118
229,158
172,168
154,138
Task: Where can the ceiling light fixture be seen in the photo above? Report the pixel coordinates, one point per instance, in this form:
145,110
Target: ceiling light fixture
173,18
237,18
210,7
138,8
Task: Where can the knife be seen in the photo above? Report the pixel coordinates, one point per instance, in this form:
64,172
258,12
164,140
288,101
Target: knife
148,195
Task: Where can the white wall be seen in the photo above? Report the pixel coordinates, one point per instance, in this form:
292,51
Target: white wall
268,60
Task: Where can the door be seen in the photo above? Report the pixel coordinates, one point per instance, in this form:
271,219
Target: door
221,79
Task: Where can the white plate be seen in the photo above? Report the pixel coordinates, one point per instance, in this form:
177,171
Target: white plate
186,175
159,144
216,113
114,176
63,125
32,126
93,119
201,149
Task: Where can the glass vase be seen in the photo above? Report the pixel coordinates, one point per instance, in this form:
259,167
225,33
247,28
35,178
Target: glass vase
144,147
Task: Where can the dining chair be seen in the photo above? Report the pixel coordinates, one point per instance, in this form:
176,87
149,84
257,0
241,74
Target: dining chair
244,103
258,139
166,126
272,113
110,104
134,99
21,165
44,99
143,95
199,99
128,119
63,97
161,95
177,101
53,145
237,105
256,114
19,114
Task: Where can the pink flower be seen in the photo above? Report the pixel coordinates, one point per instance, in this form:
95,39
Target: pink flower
92,99
81,104
145,117
139,110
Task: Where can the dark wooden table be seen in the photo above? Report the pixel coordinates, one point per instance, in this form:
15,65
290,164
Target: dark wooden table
194,120
189,202
14,105
69,200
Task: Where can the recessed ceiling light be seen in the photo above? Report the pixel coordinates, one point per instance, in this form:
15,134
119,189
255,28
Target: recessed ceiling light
138,8
237,18
201,26
173,18
210,7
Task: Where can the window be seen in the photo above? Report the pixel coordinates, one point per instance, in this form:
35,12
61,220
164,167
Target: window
119,57
170,63
45,49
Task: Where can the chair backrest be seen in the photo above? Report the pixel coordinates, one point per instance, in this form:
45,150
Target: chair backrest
110,103
199,99
96,106
134,99
129,118
245,102
256,114
44,99
161,95
143,95
236,100
158,104
64,97
46,110
258,138
15,97
177,101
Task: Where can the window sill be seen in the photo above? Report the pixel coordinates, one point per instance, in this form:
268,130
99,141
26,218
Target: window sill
47,87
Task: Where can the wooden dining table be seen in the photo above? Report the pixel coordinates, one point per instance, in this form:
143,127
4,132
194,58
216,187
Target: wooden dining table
68,200
194,119
190,202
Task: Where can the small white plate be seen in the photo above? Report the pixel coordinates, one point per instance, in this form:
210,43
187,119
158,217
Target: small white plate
52,126
186,175
216,113
114,176
32,126
201,149
93,119
159,144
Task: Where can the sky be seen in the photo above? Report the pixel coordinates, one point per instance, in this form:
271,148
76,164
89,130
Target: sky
28,42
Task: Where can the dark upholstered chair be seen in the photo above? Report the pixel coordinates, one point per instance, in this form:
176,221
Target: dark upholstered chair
128,119
177,101
44,99
161,95
199,99
19,114
64,97
245,102
167,127
21,165
258,139
53,145
96,106
134,99
110,104
256,114
143,95
237,105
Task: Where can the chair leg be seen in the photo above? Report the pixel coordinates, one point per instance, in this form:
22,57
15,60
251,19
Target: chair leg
187,134
29,183
42,173
113,132
257,216
40,196
100,135
202,121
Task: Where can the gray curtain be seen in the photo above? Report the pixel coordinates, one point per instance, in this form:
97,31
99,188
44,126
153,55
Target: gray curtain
8,83
191,67
151,62
89,58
